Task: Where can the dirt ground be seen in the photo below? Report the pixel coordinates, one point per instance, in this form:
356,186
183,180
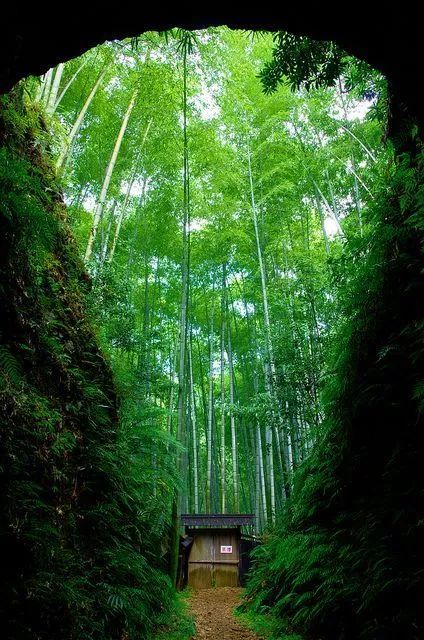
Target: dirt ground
212,609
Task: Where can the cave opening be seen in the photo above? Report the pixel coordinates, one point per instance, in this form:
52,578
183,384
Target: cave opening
211,284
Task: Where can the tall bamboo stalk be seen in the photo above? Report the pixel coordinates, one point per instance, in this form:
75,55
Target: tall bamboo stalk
128,193
234,453
270,369
222,447
181,420
209,439
109,228
47,83
194,431
55,88
68,84
108,176
66,151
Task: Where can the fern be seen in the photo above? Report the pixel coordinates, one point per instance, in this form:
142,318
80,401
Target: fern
10,366
341,562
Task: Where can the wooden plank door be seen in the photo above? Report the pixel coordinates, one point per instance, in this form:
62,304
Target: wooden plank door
214,560
200,564
226,559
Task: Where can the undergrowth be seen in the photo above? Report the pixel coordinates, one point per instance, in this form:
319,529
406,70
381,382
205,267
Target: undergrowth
178,623
82,537
345,560
264,626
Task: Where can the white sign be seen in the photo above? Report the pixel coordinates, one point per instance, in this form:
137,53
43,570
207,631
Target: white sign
226,549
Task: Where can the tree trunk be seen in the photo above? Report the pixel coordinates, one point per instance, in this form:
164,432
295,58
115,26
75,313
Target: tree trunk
67,85
128,194
270,369
108,176
210,413
172,367
55,88
181,424
109,227
323,229
260,459
46,86
261,474
64,156
222,447
257,484
234,455
194,432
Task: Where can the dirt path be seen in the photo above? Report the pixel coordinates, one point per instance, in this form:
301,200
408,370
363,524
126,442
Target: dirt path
212,609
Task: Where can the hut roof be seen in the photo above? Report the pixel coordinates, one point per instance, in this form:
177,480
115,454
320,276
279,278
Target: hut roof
217,519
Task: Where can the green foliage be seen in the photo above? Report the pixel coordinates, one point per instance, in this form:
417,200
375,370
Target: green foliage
179,624
302,61
313,162
88,485
80,531
344,560
9,366
265,626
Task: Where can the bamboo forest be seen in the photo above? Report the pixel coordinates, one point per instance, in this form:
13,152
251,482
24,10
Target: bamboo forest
211,344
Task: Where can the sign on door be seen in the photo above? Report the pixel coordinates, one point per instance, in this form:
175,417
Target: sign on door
226,548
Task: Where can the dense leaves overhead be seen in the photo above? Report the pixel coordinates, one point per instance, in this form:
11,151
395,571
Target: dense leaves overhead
302,62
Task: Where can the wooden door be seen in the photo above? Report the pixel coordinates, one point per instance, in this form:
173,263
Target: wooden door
200,562
226,559
214,559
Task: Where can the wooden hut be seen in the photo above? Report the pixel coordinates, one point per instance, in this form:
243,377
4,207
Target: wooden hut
215,549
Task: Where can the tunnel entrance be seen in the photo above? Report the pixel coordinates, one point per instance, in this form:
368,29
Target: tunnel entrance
229,245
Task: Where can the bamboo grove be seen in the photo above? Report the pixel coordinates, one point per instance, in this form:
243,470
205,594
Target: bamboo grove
217,223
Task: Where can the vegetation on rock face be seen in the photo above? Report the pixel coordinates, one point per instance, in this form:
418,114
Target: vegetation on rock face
252,269
80,532
345,559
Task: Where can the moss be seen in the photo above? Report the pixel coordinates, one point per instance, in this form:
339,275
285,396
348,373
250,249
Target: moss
345,559
73,568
